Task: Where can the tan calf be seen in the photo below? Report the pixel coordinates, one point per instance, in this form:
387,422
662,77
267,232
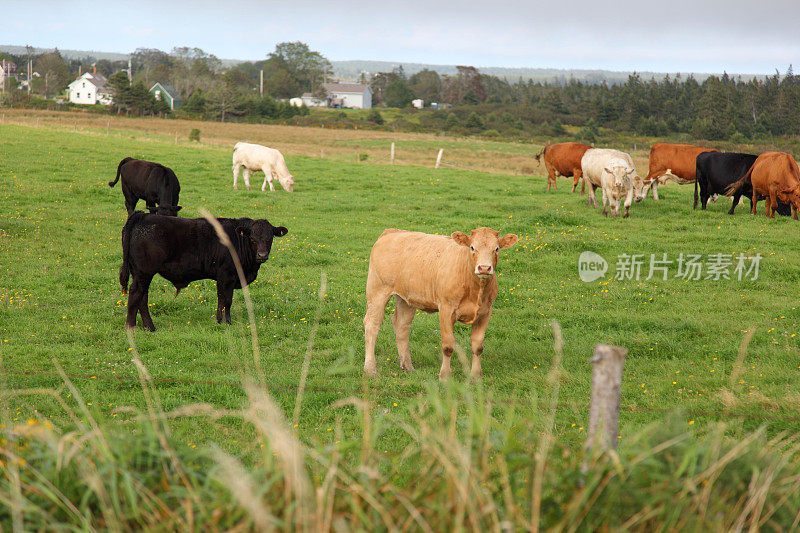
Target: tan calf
453,275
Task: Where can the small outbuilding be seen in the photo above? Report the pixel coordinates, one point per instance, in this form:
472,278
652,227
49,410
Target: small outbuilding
352,95
419,103
167,93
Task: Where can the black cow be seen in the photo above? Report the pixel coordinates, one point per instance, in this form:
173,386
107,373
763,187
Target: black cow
716,171
183,250
152,182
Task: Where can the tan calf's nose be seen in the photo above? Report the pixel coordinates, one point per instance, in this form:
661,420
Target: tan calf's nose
484,269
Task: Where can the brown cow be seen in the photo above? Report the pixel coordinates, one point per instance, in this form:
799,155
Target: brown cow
774,176
678,161
563,159
453,275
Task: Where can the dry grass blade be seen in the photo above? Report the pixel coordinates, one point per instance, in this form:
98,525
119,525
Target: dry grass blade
239,483
738,365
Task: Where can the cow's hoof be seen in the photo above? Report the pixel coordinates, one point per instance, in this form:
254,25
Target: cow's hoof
129,327
371,372
444,376
407,367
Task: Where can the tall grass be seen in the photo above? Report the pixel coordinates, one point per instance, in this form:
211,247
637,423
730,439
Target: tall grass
462,470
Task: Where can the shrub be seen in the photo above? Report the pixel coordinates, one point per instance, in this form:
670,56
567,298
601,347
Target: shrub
194,135
375,117
474,122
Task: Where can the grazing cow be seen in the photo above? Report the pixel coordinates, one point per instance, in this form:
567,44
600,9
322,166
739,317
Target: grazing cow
183,250
675,162
453,275
615,173
563,159
716,171
774,176
152,182
254,157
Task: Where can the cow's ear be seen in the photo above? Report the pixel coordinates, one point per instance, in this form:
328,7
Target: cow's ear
508,240
460,238
280,231
243,231
607,170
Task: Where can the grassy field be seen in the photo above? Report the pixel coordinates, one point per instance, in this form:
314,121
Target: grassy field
61,304
60,299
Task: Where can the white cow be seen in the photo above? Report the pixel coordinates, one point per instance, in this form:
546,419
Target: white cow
254,157
615,173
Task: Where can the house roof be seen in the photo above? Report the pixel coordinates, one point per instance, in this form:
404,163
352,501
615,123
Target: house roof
169,89
96,79
353,88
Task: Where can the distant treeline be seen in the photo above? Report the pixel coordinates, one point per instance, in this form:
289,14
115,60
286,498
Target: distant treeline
721,107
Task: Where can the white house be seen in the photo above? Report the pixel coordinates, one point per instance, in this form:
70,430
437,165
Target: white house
91,88
419,103
352,95
7,70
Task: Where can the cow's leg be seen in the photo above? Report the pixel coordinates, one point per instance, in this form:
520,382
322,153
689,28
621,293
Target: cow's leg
591,199
377,297
754,203
794,212
654,188
628,202
235,176
130,201
268,177
576,177
772,201
446,321
401,321
476,341
144,310
246,176
605,202
224,300
134,297
734,202
151,207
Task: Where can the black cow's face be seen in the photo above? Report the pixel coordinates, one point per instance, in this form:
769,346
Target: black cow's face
168,210
261,233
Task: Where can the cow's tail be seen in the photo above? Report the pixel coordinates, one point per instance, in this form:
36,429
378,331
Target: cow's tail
736,186
539,155
125,268
119,171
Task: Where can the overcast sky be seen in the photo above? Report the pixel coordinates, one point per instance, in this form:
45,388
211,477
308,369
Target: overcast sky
737,36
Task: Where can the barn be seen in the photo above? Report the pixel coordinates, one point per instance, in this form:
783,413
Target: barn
351,95
90,88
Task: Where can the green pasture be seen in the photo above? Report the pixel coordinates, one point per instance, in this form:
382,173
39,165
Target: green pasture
60,299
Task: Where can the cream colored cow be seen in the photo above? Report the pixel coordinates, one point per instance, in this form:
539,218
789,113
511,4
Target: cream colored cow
614,173
453,275
254,157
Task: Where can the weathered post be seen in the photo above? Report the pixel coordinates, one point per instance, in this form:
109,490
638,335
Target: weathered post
37,122
321,153
176,137
604,408
391,157
108,128
439,158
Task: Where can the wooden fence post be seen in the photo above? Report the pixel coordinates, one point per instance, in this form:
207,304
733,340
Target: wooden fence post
37,122
76,125
108,128
391,157
321,153
439,158
604,408
176,137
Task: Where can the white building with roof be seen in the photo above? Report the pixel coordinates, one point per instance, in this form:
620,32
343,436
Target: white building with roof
352,95
91,88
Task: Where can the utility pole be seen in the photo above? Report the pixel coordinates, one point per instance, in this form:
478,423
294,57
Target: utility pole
30,67
261,89
130,73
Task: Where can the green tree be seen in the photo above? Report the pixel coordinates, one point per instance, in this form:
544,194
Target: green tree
308,68
474,122
426,84
398,94
54,74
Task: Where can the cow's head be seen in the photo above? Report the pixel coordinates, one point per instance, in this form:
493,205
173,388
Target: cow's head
260,234
621,173
168,210
484,245
287,183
